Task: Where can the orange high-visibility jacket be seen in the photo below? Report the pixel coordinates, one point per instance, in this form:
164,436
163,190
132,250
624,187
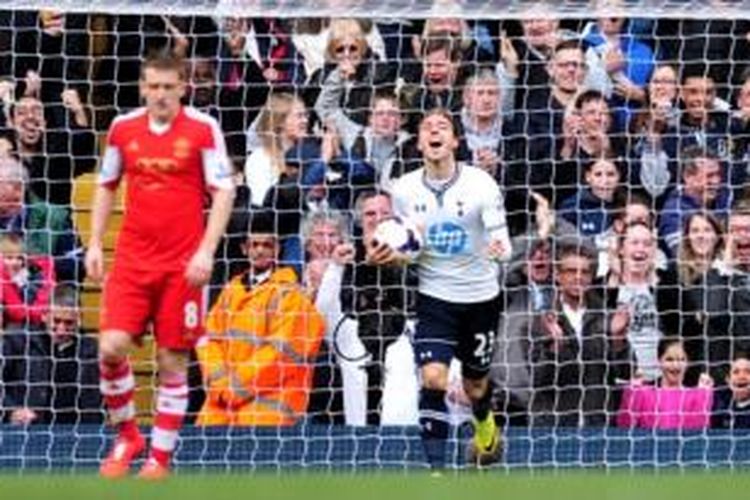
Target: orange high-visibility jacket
257,355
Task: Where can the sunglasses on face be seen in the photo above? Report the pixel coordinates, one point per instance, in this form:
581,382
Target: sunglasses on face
346,49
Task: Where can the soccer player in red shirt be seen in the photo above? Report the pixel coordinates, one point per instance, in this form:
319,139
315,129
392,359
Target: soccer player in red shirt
170,156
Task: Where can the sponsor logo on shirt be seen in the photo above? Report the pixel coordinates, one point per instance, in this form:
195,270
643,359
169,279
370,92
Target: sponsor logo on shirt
156,165
447,238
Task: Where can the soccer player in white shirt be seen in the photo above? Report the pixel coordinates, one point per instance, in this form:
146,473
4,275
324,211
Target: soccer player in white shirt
461,212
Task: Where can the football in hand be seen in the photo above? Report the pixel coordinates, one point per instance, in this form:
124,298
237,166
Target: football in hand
403,236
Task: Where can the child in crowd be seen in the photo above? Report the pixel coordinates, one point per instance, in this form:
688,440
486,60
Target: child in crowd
25,283
732,403
591,209
667,404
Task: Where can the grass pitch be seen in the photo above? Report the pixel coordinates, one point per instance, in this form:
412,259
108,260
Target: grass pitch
489,485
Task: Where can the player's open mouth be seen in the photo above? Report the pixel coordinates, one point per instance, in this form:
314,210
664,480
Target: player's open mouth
436,144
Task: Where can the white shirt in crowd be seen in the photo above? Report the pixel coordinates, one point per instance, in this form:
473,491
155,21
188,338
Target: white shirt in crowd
643,332
260,175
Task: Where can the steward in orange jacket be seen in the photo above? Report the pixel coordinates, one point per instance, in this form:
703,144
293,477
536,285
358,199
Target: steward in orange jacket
261,338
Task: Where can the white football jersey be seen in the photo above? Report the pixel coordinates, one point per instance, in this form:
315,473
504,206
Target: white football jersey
458,222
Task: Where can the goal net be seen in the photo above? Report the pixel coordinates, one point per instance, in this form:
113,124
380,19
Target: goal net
618,135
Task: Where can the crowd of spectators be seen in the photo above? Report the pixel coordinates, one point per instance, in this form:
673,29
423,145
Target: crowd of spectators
622,152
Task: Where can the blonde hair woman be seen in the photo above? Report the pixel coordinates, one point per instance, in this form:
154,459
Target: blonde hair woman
352,73
311,38
282,122
347,45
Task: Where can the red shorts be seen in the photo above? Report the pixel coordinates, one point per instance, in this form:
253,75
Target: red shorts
133,299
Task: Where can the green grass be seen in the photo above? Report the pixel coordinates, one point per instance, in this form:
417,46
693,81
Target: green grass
561,485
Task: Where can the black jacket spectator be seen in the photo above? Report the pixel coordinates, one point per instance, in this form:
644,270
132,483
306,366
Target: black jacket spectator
713,135
379,298
574,384
60,383
726,315
59,56
128,39
62,154
438,85
539,129
728,413
526,291
533,76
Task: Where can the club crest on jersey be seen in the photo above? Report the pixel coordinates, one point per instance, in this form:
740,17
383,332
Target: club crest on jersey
447,238
181,148
133,147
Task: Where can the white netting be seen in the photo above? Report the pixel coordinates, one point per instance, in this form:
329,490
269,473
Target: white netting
404,9
611,128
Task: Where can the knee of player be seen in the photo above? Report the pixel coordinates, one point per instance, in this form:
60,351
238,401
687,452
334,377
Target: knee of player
113,346
435,376
172,363
475,389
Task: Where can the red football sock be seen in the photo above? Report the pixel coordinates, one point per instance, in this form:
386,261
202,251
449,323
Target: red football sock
171,406
117,385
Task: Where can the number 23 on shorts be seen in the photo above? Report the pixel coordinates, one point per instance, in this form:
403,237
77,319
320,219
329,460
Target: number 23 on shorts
484,344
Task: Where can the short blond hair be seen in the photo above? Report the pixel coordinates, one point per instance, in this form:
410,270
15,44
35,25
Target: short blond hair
342,28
